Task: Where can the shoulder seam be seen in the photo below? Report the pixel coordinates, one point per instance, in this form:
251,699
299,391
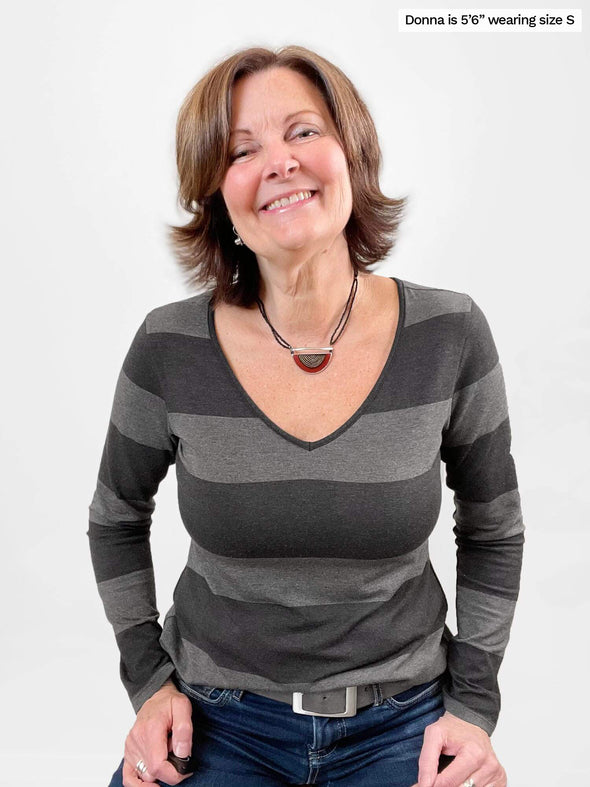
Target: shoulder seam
201,296
467,331
156,373
436,289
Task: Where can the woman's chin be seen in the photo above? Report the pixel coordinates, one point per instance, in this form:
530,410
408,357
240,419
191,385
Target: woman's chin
297,242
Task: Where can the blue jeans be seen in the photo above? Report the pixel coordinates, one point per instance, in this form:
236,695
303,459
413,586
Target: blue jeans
241,739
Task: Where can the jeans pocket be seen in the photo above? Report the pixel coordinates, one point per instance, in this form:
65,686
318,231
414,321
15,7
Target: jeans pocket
211,695
415,695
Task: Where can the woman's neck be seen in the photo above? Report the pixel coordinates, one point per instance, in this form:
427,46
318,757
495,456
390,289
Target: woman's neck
304,298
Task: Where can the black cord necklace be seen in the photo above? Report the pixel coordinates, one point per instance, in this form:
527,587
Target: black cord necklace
315,359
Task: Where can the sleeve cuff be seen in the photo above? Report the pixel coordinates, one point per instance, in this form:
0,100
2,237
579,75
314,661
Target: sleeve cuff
467,714
156,682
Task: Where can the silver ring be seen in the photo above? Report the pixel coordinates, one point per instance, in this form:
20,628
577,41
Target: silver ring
141,767
469,783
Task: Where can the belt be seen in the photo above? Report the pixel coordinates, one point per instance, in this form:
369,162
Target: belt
333,702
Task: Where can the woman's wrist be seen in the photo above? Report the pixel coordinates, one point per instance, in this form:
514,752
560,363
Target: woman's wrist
169,684
166,688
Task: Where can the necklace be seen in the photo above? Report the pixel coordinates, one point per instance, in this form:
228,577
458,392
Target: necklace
315,359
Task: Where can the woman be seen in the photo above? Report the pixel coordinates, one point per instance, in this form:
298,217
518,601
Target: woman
306,403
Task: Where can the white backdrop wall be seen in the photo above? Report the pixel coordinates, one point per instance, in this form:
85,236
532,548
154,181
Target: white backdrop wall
484,134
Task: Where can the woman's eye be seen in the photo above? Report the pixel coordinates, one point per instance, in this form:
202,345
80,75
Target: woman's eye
304,133
239,154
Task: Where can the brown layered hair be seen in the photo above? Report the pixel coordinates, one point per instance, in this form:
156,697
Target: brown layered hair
205,247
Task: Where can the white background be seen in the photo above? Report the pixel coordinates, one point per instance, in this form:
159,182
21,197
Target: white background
483,133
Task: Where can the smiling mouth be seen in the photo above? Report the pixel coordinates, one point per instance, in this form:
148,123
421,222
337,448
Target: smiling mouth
284,202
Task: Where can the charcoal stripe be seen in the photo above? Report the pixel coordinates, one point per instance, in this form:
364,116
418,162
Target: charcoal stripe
468,714
193,369
483,470
321,638
120,550
138,366
310,518
163,669
426,661
142,656
491,567
412,382
195,379
130,470
472,681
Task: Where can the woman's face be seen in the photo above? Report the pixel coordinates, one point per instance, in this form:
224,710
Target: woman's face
287,187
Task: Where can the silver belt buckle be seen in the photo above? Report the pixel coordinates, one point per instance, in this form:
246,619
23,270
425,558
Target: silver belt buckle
349,708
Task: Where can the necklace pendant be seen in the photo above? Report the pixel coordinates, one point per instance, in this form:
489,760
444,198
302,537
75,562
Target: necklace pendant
312,359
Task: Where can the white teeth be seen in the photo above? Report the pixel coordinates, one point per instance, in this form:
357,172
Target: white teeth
284,201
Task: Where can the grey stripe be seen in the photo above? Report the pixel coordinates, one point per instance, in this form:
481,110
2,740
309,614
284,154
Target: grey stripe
295,582
484,621
108,509
244,450
478,409
140,415
419,308
195,666
188,317
130,599
500,518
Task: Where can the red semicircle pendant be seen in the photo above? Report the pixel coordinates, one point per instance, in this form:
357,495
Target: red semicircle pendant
312,359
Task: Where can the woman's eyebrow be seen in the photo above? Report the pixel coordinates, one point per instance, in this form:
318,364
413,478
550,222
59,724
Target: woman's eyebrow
286,120
301,112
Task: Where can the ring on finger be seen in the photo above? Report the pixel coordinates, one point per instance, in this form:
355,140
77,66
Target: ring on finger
469,783
141,768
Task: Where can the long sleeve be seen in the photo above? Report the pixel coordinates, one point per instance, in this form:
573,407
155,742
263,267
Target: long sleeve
489,530
138,451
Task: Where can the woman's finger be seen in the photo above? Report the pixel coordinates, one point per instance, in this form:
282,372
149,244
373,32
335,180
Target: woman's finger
168,773
138,754
182,726
164,772
460,771
429,756
490,775
131,776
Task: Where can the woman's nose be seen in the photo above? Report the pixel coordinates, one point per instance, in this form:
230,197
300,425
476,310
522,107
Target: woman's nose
280,163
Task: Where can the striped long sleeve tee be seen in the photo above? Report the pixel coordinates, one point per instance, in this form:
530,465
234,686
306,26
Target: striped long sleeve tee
308,567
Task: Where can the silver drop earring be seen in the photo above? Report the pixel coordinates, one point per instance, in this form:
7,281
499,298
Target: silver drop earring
237,240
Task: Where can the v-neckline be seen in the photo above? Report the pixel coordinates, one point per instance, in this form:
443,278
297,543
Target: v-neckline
310,445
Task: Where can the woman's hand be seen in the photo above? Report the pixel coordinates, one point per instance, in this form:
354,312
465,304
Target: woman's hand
148,740
472,749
